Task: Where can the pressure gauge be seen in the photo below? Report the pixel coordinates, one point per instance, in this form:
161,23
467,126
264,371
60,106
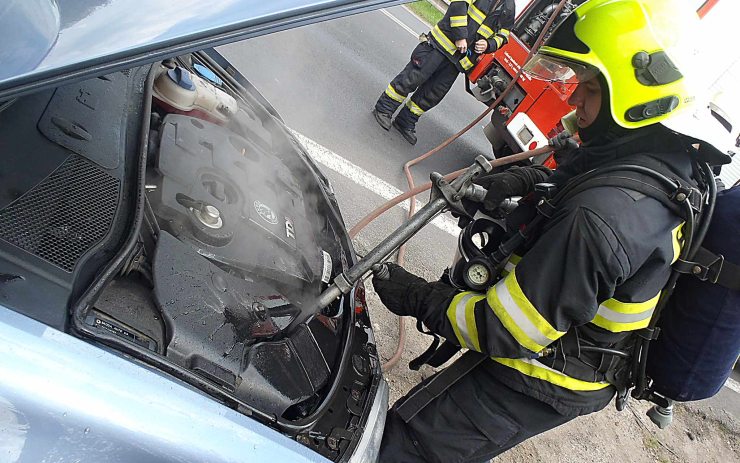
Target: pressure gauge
478,274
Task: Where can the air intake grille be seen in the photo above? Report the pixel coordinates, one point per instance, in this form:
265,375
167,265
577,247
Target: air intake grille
65,215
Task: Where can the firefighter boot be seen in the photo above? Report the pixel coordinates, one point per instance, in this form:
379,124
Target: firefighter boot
383,119
405,122
409,133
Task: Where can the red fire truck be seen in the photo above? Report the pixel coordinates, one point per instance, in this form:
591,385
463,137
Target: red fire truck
531,112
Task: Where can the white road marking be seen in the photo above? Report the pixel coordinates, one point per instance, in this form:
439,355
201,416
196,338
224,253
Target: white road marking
732,384
399,22
365,179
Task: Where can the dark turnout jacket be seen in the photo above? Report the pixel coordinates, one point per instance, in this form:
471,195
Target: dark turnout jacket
473,20
592,277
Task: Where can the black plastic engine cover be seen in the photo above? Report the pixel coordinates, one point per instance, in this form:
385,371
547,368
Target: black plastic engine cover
214,321
265,226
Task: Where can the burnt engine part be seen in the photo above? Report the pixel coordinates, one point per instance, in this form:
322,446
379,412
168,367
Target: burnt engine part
236,203
214,324
126,308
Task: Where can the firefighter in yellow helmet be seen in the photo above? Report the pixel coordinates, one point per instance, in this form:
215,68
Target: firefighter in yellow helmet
587,280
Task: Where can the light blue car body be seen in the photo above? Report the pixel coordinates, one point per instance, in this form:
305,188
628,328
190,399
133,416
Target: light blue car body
63,399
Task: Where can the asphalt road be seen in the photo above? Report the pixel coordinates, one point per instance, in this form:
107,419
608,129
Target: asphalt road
324,80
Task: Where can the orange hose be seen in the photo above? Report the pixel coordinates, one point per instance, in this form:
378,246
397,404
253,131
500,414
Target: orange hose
413,191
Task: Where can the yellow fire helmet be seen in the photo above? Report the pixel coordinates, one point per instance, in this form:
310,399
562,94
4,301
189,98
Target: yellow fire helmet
640,48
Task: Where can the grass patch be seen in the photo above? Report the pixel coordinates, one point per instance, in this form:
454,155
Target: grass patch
426,11
651,443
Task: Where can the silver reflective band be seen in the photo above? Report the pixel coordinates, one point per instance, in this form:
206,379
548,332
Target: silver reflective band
391,92
414,108
518,316
462,323
617,317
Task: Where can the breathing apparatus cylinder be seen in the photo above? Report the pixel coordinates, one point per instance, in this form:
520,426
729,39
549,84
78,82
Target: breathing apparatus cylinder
700,328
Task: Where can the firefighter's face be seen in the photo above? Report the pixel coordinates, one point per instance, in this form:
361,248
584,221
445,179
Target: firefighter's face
587,100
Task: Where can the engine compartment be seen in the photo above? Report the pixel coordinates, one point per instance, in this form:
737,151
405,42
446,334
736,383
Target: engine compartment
238,234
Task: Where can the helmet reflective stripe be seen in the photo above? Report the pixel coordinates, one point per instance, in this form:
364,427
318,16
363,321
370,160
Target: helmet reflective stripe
633,44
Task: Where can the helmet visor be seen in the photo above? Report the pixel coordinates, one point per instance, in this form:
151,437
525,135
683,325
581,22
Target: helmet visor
552,69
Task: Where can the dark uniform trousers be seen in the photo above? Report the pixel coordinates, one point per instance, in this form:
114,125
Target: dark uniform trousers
429,75
474,420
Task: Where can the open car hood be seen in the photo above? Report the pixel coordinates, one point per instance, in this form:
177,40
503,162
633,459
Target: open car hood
48,42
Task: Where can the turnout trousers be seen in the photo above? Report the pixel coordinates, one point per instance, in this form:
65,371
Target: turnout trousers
475,419
429,75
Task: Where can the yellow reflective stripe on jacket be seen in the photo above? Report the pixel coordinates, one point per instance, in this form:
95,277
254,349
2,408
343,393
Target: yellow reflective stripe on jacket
510,264
458,21
485,31
618,317
443,40
504,32
499,41
476,14
519,316
414,108
461,314
541,371
677,240
391,92
466,63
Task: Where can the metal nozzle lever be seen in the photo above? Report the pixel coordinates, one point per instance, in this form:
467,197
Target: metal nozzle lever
444,195
381,272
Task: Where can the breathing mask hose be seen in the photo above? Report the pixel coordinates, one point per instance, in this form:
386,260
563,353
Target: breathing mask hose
706,215
407,167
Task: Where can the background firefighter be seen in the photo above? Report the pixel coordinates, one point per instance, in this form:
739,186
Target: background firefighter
468,29
593,274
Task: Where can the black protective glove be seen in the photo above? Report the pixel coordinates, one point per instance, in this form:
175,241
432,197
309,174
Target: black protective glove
562,144
515,181
397,289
